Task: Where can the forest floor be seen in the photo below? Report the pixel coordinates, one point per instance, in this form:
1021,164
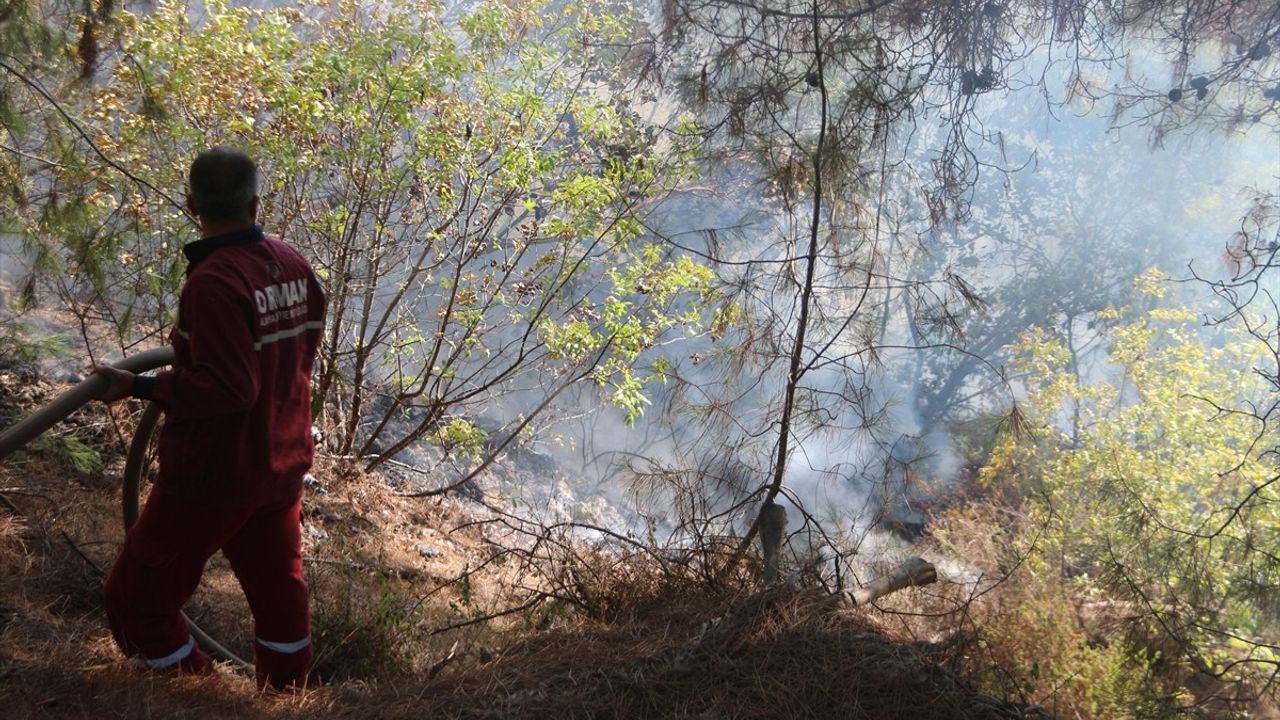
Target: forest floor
400,618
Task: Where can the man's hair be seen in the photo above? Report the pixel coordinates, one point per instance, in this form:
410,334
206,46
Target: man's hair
223,181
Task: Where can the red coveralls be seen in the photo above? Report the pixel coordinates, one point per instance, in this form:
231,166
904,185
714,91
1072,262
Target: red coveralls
235,445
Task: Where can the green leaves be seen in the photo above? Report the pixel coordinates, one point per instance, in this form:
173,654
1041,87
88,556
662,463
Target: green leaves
466,183
1156,480
460,180
461,437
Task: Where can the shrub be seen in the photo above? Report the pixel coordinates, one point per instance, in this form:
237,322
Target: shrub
362,625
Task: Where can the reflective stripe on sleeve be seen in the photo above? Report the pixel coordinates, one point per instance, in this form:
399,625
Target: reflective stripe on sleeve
285,648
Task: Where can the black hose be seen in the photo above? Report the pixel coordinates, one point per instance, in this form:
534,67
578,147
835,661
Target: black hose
72,400
135,464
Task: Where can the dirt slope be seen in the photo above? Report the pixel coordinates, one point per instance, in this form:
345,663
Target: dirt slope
400,617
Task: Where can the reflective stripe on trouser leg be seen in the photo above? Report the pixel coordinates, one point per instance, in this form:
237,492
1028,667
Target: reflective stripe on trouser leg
158,568
285,648
172,658
266,555
282,669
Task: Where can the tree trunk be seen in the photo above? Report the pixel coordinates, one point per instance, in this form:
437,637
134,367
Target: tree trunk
914,572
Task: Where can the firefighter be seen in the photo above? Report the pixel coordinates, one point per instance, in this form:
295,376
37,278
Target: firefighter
236,440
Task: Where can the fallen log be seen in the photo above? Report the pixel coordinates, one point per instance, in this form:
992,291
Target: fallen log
911,573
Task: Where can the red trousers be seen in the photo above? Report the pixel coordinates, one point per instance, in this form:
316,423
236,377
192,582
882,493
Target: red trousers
160,565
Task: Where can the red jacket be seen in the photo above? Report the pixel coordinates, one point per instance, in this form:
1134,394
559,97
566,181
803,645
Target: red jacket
237,401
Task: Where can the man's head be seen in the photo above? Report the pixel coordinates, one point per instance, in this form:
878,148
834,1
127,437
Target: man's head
224,188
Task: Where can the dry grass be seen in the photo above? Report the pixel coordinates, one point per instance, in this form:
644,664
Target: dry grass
776,654
621,639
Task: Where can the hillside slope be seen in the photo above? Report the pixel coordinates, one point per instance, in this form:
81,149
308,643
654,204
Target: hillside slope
407,627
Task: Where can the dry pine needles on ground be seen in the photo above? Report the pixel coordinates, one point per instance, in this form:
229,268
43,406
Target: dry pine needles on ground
676,649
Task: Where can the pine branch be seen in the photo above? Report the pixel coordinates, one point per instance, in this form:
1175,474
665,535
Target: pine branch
34,85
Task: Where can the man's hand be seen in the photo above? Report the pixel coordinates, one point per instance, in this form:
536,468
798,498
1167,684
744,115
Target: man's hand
120,383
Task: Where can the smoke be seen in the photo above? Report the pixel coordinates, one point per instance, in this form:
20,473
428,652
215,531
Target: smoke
915,319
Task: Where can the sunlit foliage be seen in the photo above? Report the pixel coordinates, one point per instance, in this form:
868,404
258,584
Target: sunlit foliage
469,182
1157,485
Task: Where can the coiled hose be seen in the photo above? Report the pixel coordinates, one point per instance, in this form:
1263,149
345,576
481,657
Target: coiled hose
68,402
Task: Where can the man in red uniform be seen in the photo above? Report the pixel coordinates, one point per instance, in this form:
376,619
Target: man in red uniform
236,439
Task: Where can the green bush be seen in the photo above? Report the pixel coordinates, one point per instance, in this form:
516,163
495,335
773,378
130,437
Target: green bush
1150,489
362,625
